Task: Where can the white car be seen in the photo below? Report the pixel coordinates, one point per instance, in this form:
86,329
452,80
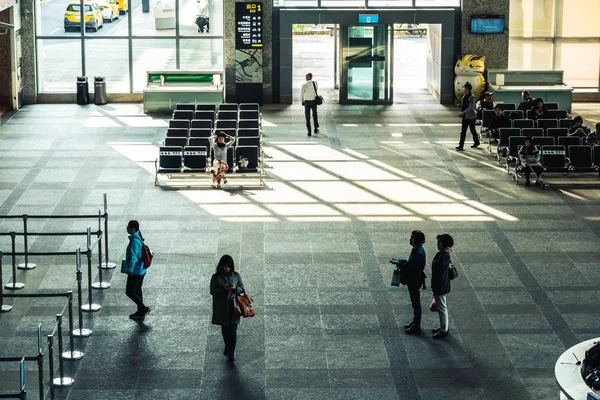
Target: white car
110,10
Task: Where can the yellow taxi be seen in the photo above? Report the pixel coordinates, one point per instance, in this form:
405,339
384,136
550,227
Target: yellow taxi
92,15
110,10
123,7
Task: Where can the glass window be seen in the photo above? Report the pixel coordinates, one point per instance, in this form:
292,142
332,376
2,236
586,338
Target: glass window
530,54
580,63
295,3
390,3
531,18
200,18
201,54
577,18
154,18
437,3
110,59
59,64
151,55
343,3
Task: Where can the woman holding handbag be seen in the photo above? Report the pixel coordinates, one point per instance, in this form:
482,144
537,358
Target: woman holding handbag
134,268
225,285
440,282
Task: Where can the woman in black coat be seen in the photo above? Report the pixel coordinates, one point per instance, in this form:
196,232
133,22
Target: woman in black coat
440,282
225,285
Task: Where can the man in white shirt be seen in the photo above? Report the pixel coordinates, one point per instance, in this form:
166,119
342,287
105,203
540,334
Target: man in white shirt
308,95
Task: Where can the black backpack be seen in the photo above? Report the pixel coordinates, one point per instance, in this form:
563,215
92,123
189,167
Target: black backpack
590,368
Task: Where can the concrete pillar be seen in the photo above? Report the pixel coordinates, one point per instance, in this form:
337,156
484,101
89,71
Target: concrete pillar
493,47
5,64
28,51
229,38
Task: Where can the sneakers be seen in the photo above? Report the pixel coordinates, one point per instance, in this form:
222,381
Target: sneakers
224,180
413,330
143,314
408,326
317,130
459,148
135,315
308,134
439,334
476,145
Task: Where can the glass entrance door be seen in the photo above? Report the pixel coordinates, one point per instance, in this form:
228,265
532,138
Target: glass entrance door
366,60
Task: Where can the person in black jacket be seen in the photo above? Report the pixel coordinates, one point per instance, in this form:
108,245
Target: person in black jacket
414,271
526,103
498,121
440,282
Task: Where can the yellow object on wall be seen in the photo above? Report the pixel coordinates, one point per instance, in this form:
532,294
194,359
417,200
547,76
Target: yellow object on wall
469,68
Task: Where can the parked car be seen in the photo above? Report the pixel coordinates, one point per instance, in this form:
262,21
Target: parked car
123,7
110,10
92,16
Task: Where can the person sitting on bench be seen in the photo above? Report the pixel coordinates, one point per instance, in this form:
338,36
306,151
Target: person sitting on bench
219,147
538,109
594,137
578,129
526,103
485,104
529,155
498,121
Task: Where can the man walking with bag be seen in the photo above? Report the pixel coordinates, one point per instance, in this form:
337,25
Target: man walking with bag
309,96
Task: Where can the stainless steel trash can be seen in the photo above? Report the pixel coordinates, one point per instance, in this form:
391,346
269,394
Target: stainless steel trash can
100,96
83,91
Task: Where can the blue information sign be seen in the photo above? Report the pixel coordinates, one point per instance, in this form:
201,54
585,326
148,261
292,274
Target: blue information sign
368,18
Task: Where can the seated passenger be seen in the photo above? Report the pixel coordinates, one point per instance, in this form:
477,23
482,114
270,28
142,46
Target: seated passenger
526,103
529,155
594,137
498,121
538,109
578,129
484,104
219,147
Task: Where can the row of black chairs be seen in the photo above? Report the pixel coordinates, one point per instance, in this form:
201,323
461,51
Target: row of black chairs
520,122
551,132
219,124
510,146
512,106
207,132
197,159
220,107
221,114
204,141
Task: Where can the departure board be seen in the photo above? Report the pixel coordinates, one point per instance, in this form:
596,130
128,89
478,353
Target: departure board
248,25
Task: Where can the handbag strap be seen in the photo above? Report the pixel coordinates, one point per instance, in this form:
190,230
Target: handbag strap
315,87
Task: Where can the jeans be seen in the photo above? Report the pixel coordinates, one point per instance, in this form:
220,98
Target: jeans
468,123
415,301
442,311
527,171
229,333
133,290
308,106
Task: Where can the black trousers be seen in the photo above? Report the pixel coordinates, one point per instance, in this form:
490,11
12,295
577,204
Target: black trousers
468,123
229,333
528,168
415,301
133,290
308,106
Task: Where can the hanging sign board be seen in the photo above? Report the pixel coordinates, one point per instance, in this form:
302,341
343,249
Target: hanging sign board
248,26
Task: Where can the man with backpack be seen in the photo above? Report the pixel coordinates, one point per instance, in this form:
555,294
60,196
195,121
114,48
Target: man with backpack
137,260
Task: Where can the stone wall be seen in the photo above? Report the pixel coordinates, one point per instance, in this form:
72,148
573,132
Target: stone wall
229,53
28,72
494,47
5,75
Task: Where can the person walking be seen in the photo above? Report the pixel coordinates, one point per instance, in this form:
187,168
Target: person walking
440,282
225,285
414,269
135,270
468,115
308,94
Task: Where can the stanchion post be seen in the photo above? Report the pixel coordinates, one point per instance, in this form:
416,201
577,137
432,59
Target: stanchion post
106,264
62,380
51,365
14,285
72,354
22,388
80,332
100,284
90,306
3,307
26,264
40,362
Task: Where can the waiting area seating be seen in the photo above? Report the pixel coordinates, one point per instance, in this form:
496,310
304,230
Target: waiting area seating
186,148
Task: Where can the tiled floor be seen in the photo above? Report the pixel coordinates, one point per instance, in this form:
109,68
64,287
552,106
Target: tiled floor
313,252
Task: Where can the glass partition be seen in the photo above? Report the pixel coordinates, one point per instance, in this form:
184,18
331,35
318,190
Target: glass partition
117,71
59,64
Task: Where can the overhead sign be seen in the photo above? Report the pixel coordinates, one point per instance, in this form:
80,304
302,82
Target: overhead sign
248,25
368,18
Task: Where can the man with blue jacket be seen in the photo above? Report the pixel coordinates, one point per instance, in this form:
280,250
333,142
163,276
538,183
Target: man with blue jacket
414,273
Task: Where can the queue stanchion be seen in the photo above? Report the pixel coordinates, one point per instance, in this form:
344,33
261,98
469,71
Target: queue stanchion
51,365
40,363
90,306
100,284
72,354
22,389
26,264
106,264
3,307
62,380
14,285
80,332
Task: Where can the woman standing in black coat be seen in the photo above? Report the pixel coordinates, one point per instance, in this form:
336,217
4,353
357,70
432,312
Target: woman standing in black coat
440,282
225,285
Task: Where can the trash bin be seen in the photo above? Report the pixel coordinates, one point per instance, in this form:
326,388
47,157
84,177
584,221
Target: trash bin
100,97
83,94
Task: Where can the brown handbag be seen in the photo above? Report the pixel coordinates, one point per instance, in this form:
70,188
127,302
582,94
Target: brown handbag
245,303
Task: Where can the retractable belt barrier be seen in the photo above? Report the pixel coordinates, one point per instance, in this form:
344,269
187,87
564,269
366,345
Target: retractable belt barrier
22,394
